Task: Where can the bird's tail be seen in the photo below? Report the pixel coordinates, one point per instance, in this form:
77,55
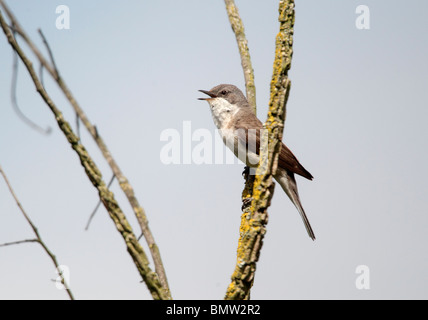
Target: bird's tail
288,183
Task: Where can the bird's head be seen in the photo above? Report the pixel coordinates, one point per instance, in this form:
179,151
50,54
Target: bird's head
228,92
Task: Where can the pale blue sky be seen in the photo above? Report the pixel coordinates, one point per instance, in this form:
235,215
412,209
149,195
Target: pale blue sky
356,119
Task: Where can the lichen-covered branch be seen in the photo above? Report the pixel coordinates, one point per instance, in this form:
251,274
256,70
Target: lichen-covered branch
123,181
38,238
238,29
255,218
107,197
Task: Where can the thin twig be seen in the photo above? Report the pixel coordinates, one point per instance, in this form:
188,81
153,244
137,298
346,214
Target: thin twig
238,29
14,100
135,249
98,205
41,75
57,76
254,220
36,232
123,181
18,242
77,125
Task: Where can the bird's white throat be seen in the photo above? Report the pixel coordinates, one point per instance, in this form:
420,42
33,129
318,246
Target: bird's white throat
223,112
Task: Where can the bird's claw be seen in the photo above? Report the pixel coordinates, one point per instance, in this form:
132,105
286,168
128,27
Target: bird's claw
246,171
246,203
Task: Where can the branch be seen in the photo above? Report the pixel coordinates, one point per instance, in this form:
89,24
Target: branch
254,220
107,197
36,232
97,206
57,76
6,244
123,181
238,29
14,100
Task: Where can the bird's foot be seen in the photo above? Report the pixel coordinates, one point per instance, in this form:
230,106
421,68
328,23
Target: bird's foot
246,171
246,203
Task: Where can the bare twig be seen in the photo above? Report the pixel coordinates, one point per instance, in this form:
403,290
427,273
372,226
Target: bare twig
238,29
41,75
14,100
57,76
123,181
36,232
6,244
107,197
98,205
254,220
78,125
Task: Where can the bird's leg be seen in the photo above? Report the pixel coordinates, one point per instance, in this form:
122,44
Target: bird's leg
248,191
246,203
246,172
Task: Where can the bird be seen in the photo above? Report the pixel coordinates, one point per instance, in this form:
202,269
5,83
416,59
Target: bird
240,129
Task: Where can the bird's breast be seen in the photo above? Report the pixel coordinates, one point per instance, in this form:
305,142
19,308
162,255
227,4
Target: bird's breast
222,112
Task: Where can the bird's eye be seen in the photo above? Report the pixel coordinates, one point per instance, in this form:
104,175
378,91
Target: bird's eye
223,93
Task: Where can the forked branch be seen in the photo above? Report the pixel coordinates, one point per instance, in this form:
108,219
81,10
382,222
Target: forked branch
123,181
38,238
107,197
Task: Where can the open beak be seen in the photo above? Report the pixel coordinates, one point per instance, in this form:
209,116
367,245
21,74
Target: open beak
212,95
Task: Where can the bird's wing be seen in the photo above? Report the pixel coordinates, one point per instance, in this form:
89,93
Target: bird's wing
248,132
287,160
